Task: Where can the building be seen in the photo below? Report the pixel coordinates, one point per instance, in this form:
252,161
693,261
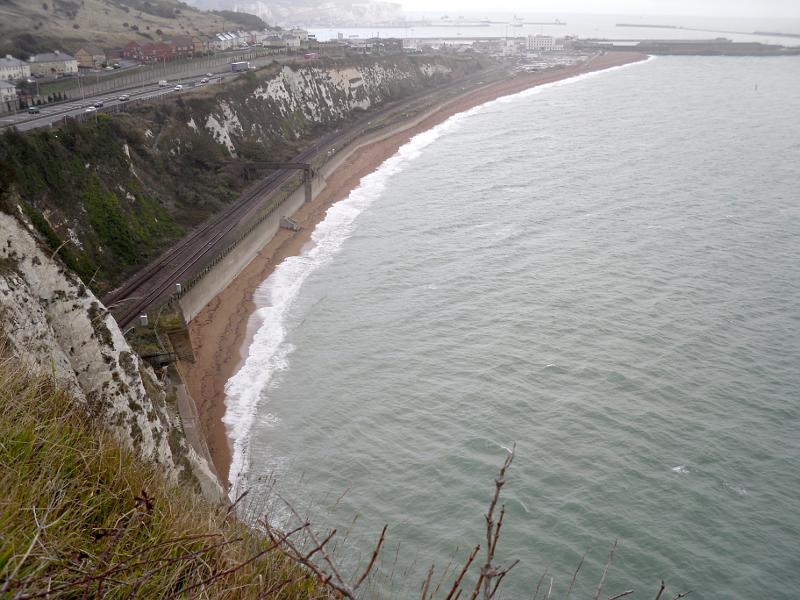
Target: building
201,44
275,43
292,41
133,51
300,33
8,96
182,45
224,41
90,57
544,43
158,52
53,64
12,69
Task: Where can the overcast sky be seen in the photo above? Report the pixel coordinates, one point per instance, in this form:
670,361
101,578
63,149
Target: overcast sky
727,8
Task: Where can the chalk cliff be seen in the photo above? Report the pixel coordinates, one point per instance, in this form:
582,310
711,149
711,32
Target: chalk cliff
50,321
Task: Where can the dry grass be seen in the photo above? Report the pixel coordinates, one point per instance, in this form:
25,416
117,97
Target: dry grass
101,22
81,516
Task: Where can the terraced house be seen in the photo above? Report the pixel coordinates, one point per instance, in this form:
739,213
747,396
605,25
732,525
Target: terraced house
90,57
12,68
53,64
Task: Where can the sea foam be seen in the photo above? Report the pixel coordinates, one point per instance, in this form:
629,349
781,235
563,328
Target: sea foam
268,351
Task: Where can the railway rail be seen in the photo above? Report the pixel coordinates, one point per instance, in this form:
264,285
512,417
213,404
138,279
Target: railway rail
156,282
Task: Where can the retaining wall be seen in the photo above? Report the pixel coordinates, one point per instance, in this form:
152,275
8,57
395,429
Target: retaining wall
226,267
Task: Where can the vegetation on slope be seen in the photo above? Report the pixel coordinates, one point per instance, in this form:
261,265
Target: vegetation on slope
46,25
83,517
79,176
111,193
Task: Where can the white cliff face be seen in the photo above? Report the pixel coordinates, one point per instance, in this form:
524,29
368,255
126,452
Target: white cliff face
292,100
51,322
314,13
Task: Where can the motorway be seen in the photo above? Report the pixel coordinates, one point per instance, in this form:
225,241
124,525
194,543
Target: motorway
155,283
51,114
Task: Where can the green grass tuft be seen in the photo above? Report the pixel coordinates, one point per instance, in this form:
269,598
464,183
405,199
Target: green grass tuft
81,516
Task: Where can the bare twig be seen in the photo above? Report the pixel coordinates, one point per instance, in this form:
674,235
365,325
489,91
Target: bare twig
682,595
373,559
605,571
463,572
661,590
539,585
342,586
426,584
621,595
575,576
550,589
489,571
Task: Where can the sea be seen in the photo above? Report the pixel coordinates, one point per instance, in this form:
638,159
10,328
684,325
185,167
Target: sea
462,26
602,272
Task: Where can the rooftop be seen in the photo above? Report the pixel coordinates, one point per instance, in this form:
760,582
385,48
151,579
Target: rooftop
51,57
10,61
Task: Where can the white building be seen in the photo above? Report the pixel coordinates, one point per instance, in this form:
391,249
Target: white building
12,68
300,33
292,41
274,43
544,43
53,64
224,41
8,95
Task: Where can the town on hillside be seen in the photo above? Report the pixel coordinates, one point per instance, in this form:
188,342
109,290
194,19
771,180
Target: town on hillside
27,81
20,76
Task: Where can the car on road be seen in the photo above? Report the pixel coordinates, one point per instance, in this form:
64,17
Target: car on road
178,87
108,68
162,83
91,109
116,66
97,104
209,74
33,110
124,98
204,80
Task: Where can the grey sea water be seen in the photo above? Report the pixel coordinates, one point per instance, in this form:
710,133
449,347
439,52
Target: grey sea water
606,272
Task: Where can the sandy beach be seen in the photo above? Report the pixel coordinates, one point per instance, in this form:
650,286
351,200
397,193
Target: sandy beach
220,331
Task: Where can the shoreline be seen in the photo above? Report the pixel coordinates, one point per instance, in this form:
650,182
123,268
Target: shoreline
221,332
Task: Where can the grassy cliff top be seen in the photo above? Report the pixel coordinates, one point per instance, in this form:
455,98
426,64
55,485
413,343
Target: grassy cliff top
83,517
28,26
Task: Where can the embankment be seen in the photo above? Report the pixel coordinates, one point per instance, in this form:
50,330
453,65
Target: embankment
219,329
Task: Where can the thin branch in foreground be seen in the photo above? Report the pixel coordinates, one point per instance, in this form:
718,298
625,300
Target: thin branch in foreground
605,571
539,585
488,570
622,595
463,572
426,584
575,576
661,590
373,559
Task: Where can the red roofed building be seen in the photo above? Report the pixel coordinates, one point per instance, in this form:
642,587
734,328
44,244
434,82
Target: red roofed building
159,51
133,51
183,45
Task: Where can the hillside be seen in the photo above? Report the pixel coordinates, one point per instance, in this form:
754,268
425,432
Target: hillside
43,25
120,191
84,516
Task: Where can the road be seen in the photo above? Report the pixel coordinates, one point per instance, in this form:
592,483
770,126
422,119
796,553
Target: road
51,114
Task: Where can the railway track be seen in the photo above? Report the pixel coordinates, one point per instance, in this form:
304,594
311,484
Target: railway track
156,281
